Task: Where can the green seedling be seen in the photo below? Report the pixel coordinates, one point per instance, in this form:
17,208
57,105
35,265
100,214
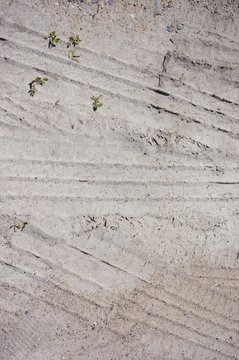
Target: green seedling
19,226
73,41
32,92
37,81
53,39
73,56
96,102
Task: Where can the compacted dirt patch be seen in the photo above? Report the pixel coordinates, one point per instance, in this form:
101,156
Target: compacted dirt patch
119,180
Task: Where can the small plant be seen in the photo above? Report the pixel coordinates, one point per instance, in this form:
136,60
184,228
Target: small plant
72,55
37,81
73,41
19,226
96,102
53,39
32,92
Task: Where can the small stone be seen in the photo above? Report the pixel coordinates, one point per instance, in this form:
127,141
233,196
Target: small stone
179,26
170,28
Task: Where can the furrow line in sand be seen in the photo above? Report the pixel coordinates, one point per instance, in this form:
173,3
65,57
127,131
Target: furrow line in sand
126,81
228,39
22,28
17,120
188,136
149,323
209,277
133,100
112,149
67,79
208,317
194,88
208,145
27,333
96,286
28,258
44,299
43,237
150,314
195,121
169,93
22,119
178,69
66,61
146,199
95,53
24,252
18,134
121,166
182,116
208,270
40,235
11,132
202,64
177,117
185,92
33,179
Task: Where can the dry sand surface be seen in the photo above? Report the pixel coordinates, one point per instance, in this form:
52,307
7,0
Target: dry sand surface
119,228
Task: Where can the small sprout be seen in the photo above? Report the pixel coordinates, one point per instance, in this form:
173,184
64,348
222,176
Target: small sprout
56,103
53,39
32,92
96,102
19,226
37,81
73,56
73,40
40,81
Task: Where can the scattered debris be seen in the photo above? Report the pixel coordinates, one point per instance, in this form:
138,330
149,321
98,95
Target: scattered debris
170,28
94,325
57,103
53,39
167,4
73,56
96,102
37,81
19,226
176,26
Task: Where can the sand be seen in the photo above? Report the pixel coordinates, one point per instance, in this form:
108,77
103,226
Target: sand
119,228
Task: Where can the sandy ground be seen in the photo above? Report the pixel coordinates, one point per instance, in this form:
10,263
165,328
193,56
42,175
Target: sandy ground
130,247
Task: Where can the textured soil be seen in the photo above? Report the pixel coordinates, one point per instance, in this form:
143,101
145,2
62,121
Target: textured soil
119,228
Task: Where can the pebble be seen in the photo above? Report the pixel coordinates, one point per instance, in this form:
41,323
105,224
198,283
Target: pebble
170,28
179,26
